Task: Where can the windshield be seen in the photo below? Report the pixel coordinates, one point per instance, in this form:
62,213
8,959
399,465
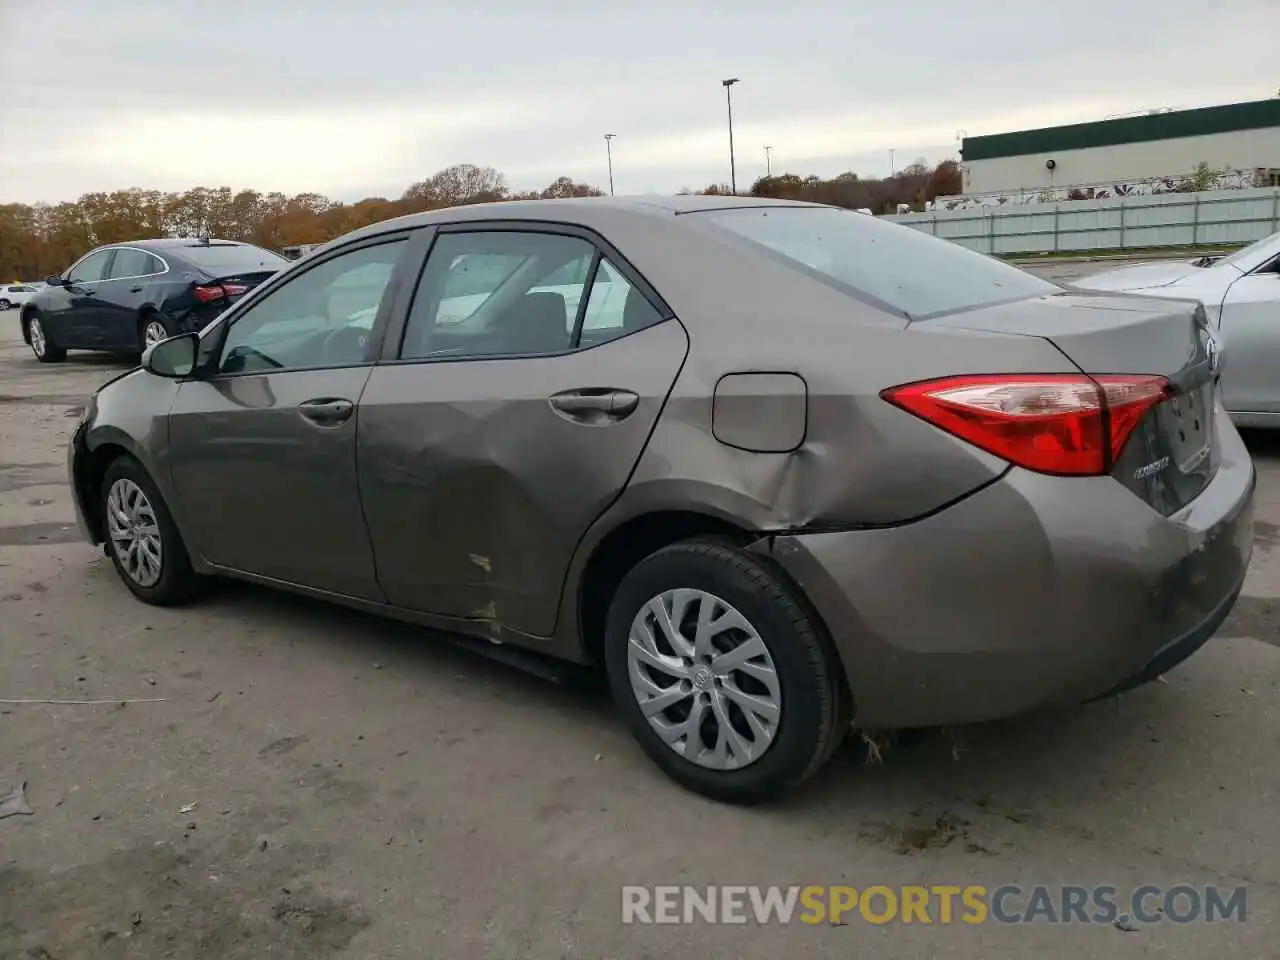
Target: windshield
1249,252
229,259
908,271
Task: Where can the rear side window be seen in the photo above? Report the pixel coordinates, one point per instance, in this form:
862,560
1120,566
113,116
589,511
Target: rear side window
230,259
908,271
134,263
499,293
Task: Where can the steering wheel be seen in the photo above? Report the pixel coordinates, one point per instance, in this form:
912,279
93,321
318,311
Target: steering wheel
345,345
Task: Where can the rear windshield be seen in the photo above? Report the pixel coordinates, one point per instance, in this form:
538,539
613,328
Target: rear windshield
908,271
229,259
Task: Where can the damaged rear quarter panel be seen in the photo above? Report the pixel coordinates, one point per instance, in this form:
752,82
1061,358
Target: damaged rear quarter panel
862,462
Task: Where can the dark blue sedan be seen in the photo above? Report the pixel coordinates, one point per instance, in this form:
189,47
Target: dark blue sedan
123,297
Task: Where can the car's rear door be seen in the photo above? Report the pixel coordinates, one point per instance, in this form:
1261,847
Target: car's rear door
122,294
263,447
491,436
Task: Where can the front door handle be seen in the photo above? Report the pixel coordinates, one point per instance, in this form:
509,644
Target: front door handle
595,405
135,289
327,412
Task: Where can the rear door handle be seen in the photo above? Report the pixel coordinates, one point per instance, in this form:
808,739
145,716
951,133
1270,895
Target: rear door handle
595,405
327,412
135,289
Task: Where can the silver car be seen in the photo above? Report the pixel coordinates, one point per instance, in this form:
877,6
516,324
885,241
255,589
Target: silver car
1241,296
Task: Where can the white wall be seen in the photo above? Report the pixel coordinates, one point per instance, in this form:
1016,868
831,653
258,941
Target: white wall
1242,149
1219,217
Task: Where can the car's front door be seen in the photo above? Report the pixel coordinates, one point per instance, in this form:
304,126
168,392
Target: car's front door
263,446
73,313
1251,337
495,433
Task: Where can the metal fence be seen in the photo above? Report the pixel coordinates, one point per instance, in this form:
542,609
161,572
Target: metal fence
1220,217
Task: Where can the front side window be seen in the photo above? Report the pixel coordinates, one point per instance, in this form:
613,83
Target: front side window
906,270
320,318
90,268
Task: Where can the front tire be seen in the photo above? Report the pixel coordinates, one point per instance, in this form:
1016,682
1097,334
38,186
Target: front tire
722,675
42,344
5,304
142,540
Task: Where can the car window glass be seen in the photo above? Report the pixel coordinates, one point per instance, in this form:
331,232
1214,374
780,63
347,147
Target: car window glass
90,268
130,263
615,307
229,259
495,293
906,270
320,318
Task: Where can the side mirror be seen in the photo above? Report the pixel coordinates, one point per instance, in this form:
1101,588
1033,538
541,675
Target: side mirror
173,358
54,282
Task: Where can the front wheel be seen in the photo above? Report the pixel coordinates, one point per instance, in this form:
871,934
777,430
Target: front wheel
42,344
142,539
721,674
5,304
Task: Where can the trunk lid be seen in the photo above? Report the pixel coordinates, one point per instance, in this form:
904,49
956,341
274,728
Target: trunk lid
1173,453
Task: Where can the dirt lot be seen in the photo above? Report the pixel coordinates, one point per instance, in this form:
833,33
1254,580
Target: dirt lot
316,783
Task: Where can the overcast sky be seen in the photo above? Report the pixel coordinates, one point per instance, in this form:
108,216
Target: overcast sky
355,98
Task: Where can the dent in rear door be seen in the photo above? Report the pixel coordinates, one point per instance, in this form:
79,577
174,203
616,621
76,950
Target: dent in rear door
476,491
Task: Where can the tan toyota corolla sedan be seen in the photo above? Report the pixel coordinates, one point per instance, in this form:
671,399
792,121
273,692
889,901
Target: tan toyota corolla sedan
779,467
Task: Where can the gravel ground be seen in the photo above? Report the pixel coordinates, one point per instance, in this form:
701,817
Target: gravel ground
317,783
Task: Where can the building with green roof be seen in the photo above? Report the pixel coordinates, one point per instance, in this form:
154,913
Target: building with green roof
1169,144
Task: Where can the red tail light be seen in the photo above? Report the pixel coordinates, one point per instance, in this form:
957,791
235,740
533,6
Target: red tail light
209,292
234,289
1065,424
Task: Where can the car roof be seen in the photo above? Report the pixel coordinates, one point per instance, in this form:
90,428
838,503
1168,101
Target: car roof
170,243
593,212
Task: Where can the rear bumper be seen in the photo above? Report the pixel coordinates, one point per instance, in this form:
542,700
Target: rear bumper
1033,591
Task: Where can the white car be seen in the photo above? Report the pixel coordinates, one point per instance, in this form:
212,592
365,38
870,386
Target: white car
16,294
1241,295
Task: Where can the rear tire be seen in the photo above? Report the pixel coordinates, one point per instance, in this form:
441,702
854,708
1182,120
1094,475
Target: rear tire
142,540
780,697
41,343
152,328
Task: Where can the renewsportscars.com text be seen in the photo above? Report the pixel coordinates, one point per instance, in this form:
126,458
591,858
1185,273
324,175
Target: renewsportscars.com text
936,904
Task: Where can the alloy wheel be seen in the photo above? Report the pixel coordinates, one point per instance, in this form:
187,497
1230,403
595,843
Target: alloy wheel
704,679
135,532
153,333
39,343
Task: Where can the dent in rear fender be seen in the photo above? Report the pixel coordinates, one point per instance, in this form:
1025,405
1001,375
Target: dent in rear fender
1034,590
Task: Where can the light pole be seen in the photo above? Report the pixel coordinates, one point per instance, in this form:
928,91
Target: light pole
768,165
728,96
608,150
892,167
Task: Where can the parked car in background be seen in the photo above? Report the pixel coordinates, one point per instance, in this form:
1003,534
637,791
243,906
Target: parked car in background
1241,296
16,294
776,465
123,297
